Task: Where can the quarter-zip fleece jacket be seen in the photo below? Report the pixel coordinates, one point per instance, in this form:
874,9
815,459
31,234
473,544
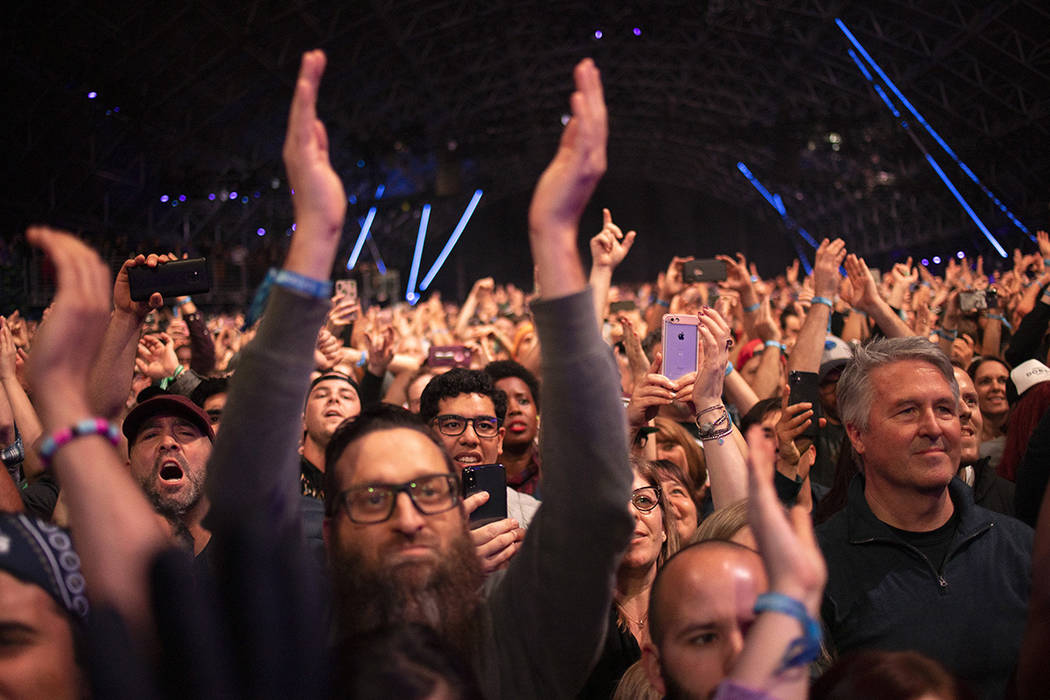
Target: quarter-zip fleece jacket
968,614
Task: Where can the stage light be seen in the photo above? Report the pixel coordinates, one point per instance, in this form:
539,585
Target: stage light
233,196
421,236
211,196
925,262
930,130
960,255
244,199
257,194
260,231
164,198
936,259
365,228
182,198
361,163
637,31
966,207
456,233
379,191
598,34
352,199
275,183
92,95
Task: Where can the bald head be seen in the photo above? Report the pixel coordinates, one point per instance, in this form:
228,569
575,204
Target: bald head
700,607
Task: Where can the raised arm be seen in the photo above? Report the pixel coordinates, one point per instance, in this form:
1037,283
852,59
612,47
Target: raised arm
608,249
810,344
261,425
116,530
864,296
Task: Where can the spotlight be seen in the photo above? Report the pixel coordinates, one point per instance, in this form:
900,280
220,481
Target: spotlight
936,259
637,31
92,95
925,262
598,34
182,198
211,197
233,195
260,231
960,255
164,199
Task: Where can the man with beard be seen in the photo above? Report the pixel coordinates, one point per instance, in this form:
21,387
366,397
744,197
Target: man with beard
169,443
394,514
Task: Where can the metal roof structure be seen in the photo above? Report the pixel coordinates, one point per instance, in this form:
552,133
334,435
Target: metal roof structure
428,100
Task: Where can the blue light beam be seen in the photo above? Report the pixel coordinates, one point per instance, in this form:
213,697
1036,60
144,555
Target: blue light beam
421,237
936,137
365,228
456,233
777,203
965,206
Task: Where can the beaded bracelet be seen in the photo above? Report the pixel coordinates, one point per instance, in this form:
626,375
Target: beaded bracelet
822,300
754,307
804,649
89,426
711,431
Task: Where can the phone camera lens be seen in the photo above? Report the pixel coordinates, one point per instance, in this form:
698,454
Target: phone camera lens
681,336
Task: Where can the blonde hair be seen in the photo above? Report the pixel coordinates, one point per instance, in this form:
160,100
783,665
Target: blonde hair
724,523
635,685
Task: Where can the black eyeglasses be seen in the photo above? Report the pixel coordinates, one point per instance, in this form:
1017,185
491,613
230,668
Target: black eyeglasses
374,503
453,425
646,498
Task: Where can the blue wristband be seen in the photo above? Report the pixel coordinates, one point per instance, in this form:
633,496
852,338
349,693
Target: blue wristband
753,307
363,360
775,344
823,300
1001,319
318,289
804,649
944,334
729,367
661,302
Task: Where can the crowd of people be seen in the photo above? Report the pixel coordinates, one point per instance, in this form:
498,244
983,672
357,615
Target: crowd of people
836,499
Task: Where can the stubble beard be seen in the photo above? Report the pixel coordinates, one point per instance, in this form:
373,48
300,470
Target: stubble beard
443,596
177,505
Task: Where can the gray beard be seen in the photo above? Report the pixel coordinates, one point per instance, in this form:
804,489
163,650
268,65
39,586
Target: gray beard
444,597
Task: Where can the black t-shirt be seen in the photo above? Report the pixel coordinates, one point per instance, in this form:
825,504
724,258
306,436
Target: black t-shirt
935,543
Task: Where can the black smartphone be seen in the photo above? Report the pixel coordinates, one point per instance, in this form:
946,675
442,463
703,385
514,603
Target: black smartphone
618,307
707,270
171,279
804,387
493,479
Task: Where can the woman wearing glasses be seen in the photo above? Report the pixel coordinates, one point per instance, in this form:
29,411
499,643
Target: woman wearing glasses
654,540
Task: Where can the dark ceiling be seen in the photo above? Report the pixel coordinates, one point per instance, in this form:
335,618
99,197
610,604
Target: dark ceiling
432,100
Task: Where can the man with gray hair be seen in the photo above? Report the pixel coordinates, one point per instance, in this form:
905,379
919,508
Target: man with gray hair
912,562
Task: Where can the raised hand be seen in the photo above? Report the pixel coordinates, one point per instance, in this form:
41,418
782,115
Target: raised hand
565,187
826,267
156,356
65,347
122,301
653,391
380,348
715,340
8,353
328,351
862,293
1043,240
610,246
317,192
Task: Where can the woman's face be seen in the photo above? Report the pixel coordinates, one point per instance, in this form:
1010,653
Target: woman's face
670,450
648,537
683,510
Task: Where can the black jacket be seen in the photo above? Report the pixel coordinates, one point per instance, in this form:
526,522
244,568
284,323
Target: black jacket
883,593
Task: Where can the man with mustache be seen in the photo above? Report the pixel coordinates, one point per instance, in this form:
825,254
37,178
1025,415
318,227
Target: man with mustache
169,443
913,563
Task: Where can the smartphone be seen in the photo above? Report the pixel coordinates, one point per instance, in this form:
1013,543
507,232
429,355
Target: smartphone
971,300
346,288
707,270
493,479
448,356
803,386
618,307
680,342
171,279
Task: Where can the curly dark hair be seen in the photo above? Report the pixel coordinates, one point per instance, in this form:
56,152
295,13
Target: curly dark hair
501,369
460,381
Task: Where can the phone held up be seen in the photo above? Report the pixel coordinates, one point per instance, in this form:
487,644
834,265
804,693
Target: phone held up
803,386
680,344
491,478
706,270
177,278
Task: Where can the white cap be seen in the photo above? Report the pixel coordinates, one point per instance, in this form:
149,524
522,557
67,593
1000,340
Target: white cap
1028,374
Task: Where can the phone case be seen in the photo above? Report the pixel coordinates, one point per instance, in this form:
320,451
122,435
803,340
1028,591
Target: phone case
707,270
170,279
679,345
803,387
493,479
